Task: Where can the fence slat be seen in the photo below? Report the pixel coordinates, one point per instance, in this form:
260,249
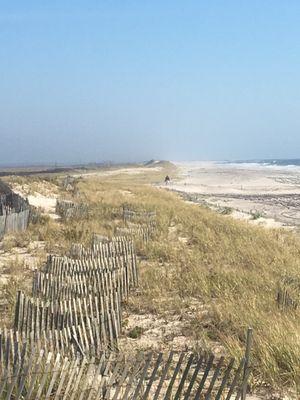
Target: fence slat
182,382
205,375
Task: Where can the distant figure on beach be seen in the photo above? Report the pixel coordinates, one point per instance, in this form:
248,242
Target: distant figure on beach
167,180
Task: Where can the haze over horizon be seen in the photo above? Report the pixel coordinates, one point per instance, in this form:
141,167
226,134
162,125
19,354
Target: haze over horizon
132,81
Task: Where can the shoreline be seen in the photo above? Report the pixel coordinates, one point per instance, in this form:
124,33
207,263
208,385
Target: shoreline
261,194
242,215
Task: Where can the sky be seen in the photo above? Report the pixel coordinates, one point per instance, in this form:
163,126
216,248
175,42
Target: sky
94,81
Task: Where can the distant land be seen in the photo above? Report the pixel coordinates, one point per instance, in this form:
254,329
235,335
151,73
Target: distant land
26,170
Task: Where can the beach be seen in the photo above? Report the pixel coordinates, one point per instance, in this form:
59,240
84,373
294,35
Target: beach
264,194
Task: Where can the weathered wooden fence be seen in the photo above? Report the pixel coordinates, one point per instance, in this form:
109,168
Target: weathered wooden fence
68,279
45,375
120,245
75,307
98,239
70,210
139,232
93,313
138,215
87,339
14,213
139,224
69,183
288,292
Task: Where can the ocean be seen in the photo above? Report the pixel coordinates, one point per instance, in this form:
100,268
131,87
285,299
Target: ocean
270,162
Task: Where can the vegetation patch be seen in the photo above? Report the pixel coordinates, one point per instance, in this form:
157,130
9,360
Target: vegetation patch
136,332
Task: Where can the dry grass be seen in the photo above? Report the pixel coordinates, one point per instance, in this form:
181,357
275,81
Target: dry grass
231,267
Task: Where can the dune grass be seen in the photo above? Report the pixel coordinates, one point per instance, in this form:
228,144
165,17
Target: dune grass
229,266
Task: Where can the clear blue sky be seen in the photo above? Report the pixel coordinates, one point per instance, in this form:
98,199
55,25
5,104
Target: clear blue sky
131,80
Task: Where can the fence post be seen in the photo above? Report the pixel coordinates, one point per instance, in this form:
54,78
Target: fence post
247,363
17,311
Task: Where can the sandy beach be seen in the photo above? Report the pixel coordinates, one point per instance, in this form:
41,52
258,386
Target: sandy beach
271,193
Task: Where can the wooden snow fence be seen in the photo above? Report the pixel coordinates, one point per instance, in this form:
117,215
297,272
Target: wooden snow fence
288,292
42,374
139,224
69,183
70,210
80,341
93,322
76,303
14,213
117,246
138,232
103,269
142,216
14,222
65,277
99,239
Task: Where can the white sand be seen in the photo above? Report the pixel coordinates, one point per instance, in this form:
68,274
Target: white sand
44,198
119,171
46,203
246,188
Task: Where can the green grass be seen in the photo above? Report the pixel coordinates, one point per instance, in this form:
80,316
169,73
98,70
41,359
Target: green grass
226,211
256,215
135,333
